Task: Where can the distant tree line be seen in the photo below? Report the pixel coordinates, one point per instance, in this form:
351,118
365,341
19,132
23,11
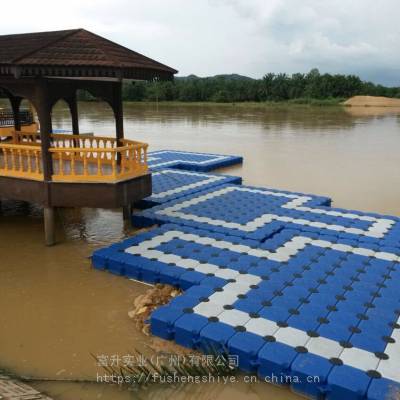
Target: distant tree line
272,87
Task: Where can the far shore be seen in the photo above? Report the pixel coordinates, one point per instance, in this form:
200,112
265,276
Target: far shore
250,104
353,102
356,101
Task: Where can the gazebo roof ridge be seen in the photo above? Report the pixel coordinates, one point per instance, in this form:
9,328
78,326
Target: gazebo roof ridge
43,39
128,50
51,42
78,52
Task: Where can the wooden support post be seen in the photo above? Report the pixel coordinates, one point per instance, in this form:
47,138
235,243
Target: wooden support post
15,105
43,109
118,111
73,107
117,107
127,213
49,226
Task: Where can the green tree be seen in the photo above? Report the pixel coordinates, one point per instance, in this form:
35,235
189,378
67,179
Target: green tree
272,87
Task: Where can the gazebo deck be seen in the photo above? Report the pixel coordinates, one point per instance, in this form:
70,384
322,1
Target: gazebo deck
65,170
86,163
76,158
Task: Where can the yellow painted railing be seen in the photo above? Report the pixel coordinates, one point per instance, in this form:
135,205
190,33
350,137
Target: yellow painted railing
21,161
7,131
83,141
74,164
31,138
76,158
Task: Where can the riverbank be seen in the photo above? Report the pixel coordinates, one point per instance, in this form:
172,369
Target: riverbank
372,101
246,104
355,101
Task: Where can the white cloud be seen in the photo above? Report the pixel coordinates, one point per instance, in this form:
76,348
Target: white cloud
250,37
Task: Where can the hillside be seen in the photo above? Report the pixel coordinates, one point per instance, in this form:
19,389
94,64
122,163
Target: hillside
233,77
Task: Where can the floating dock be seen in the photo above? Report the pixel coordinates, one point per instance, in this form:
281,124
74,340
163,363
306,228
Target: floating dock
249,212
293,287
190,161
170,184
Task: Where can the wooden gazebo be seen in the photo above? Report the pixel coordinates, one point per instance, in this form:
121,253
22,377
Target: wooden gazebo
59,170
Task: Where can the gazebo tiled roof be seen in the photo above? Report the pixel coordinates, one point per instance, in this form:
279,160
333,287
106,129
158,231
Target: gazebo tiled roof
74,53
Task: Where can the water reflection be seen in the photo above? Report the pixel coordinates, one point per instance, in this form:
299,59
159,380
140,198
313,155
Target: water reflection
11,208
372,111
198,116
95,226
57,309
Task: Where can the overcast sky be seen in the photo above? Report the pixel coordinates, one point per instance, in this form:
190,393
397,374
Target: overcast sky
249,37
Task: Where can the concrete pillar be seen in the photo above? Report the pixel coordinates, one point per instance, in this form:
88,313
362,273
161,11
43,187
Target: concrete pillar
49,226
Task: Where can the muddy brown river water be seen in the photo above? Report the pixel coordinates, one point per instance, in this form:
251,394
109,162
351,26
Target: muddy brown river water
55,310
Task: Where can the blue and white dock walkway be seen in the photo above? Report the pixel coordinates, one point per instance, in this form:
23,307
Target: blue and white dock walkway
287,283
190,161
170,184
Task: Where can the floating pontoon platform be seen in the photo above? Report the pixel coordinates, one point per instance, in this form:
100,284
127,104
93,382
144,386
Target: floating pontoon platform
298,290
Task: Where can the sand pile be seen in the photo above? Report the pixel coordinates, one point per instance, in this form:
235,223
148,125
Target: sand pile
372,101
